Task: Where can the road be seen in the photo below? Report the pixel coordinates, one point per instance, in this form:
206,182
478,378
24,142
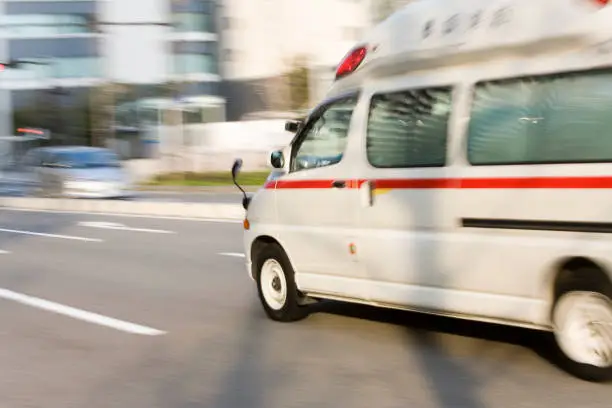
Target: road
163,315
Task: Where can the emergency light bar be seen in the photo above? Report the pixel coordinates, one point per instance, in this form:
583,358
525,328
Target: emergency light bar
351,61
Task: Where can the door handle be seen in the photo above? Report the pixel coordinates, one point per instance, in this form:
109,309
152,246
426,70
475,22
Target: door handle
339,184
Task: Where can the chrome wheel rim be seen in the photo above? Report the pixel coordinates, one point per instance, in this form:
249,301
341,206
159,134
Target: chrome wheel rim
273,284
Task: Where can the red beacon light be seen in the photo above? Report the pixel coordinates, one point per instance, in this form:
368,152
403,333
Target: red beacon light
602,3
351,61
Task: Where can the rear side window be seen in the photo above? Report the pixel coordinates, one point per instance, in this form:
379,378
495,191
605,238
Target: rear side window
409,128
544,120
87,159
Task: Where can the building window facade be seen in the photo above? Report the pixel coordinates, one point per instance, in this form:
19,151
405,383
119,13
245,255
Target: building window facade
194,22
42,25
195,64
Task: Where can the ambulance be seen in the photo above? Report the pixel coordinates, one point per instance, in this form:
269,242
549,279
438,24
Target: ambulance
460,165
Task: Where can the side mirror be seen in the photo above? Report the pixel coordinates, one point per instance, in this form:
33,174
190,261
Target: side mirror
276,159
292,126
236,169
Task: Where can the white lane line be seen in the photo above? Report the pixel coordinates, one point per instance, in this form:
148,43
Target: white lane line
121,227
110,214
233,254
3,252
41,234
79,314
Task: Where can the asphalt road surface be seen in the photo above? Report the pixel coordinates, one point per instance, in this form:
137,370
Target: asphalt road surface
137,312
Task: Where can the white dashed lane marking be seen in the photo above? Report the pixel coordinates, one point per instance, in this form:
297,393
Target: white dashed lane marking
57,236
79,314
120,227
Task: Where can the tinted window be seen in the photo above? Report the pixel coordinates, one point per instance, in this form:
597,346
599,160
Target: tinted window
86,159
553,119
324,138
409,128
32,158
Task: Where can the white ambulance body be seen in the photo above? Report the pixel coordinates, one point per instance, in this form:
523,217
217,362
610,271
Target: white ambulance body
461,165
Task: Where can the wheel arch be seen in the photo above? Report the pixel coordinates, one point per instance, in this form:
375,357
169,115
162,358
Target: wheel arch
572,270
258,244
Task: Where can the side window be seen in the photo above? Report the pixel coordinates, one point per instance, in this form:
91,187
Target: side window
546,120
577,122
505,122
31,159
409,128
324,138
50,158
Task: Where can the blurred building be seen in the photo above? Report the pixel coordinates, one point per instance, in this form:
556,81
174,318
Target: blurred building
81,44
151,42
215,59
167,51
261,40
57,37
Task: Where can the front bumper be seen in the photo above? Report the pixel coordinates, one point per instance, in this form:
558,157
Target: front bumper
248,239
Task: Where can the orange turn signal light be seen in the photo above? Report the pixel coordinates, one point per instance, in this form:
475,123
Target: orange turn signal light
246,224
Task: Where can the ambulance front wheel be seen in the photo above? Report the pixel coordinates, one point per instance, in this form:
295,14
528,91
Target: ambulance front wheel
276,286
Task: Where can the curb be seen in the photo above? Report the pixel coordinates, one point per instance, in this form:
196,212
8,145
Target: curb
159,209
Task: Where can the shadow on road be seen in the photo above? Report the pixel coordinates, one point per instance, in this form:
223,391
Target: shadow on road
423,329
243,385
245,379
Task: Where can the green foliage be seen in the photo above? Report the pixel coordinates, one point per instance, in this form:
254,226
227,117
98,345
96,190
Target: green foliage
216,178
298,81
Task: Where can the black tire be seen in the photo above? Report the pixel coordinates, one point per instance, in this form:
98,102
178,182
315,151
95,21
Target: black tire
291,309
587,372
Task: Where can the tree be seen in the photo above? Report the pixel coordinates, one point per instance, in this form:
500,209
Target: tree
298,82
101,112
